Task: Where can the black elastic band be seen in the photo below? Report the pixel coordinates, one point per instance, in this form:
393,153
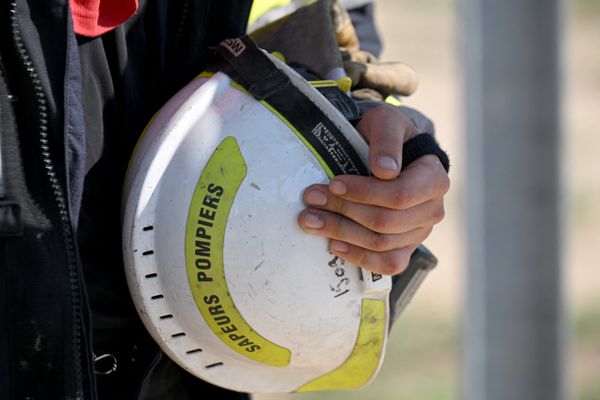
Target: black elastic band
246,64
421,145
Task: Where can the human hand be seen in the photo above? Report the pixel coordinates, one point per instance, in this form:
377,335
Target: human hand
378,221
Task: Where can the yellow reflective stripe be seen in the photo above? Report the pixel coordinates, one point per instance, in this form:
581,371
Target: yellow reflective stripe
239,87
362,364
204,235
259,7
344,83
323,83
205,74
278,55
393,101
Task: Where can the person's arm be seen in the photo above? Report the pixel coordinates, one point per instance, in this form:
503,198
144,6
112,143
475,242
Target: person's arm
378,221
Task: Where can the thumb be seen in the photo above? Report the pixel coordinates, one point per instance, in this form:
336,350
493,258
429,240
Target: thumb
386,129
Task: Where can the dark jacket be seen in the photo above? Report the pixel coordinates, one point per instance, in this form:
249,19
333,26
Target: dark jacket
71,109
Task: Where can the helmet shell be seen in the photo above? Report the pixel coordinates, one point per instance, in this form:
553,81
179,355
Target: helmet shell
219,271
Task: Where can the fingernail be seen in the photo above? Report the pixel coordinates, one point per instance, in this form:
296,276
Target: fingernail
340,247
337,187
387,162
313,221
316,198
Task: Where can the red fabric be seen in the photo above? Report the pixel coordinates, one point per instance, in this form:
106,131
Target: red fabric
95,17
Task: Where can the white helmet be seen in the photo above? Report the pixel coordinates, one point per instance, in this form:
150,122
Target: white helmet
220,273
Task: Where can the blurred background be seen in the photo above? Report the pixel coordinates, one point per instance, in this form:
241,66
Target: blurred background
424,355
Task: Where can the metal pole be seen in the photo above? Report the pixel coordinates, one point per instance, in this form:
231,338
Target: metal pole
514,340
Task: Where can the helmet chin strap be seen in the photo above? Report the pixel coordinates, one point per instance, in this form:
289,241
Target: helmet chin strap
260,75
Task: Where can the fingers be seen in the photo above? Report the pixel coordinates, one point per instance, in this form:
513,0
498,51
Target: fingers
387,263
376,218
422,180
381,253
377,223
335,226
386,129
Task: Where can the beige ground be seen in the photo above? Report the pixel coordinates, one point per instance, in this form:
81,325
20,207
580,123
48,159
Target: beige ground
423,361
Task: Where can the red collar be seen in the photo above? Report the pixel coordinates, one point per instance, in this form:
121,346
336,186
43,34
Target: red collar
95,17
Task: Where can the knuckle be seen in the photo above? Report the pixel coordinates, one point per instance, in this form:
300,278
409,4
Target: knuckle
381,110
396,263
365,191
401,198
339,205
382,222
393,268
439,214
361,258
379,242
435,169
427,232
317,186
335,225
423,234
444,184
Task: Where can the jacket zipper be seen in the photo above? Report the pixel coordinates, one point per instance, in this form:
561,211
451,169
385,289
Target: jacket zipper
59,198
